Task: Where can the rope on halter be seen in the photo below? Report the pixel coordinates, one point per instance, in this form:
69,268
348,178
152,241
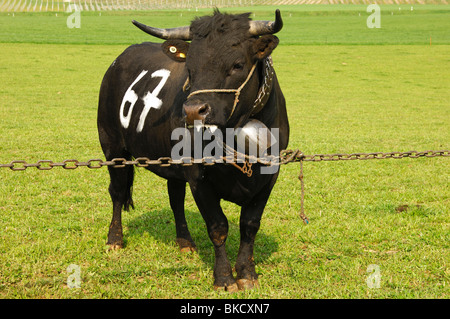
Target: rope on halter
237,91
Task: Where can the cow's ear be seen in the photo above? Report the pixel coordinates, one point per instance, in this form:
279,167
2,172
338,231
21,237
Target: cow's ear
176,49
264,46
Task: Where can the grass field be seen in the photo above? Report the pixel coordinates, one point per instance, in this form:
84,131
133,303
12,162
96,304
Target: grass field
348,89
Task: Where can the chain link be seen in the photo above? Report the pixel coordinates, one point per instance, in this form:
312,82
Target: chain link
286,156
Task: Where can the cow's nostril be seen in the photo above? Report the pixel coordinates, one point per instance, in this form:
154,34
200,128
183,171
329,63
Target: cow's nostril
204,110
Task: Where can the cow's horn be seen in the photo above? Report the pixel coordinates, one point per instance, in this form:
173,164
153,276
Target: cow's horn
182,33
266,27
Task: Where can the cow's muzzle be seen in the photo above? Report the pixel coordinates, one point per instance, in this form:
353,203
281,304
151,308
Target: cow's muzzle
196,112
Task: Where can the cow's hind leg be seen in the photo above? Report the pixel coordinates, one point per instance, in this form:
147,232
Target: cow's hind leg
177,193
120,190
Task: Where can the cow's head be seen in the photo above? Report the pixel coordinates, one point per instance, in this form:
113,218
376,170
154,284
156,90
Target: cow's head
221,61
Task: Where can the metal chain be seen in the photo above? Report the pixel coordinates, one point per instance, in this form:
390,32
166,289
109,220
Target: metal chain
286,156
297,156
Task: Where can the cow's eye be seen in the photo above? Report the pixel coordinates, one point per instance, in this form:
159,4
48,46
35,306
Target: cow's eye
238,66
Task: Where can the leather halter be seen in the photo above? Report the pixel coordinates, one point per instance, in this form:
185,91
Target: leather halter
263,93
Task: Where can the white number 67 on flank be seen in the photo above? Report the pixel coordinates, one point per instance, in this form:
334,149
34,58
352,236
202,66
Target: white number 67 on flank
150,100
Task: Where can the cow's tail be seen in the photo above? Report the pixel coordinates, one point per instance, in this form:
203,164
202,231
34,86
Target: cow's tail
121,186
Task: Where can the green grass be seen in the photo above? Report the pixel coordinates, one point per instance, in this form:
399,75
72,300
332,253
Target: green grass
306,24
341,98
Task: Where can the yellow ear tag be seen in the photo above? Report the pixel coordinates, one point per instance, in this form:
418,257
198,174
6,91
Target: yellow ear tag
182,55
173,49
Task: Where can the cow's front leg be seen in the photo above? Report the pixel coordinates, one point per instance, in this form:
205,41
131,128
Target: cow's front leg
250,219
247,277
223,275
217,225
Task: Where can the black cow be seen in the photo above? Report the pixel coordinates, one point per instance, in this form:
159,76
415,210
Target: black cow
222,78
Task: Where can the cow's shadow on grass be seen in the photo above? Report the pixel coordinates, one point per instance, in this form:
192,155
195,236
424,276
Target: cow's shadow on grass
160,225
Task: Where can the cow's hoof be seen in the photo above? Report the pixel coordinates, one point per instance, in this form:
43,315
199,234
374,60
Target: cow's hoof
115,246
246,284
229,288
115,239
188,249
186,246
